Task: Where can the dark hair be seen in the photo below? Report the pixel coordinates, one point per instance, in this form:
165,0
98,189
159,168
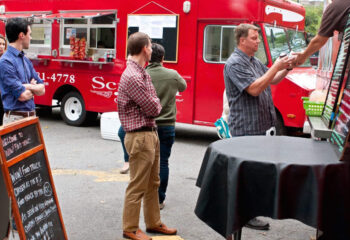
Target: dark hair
242,30
136,42
14,27
157,53
3,38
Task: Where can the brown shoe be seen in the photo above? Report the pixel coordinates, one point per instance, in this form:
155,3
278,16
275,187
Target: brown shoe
162,229
138,235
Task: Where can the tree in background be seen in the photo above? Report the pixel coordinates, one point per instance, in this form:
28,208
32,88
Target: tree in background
313,19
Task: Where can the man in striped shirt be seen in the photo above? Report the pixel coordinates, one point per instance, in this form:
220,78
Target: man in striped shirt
247,82
138,105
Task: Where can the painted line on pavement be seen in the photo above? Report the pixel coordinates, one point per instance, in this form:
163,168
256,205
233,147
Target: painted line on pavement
100,176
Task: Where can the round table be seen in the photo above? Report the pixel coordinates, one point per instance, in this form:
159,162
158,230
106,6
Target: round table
279,177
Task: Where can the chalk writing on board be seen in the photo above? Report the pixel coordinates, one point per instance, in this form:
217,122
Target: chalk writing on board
35,199
19,141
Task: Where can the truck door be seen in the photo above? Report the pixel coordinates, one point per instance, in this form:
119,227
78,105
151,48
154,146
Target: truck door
209,84
215,45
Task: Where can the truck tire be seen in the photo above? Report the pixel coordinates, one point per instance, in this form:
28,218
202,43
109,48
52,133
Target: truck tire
73,109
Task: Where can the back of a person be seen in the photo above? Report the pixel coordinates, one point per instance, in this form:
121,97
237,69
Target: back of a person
165,82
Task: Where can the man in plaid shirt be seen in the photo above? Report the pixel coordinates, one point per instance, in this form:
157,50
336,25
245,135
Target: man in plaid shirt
138,105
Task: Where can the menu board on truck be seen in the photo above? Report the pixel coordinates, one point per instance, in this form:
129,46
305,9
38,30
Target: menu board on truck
342,122
161,28
338,80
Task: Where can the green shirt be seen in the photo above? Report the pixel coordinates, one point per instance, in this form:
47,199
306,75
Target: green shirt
167,83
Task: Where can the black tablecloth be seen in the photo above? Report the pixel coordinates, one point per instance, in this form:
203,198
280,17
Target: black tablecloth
279,177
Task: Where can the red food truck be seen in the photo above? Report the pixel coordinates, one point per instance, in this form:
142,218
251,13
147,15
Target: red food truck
79,49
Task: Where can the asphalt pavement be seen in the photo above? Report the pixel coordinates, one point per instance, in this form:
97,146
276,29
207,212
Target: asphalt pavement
90,188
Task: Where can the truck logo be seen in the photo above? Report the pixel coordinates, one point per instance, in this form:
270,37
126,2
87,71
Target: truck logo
99,83
287,16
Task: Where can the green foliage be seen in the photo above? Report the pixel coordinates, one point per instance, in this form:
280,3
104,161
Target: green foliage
313,19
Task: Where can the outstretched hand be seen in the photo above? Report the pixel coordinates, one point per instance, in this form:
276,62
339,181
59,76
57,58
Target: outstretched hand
284,63
299,58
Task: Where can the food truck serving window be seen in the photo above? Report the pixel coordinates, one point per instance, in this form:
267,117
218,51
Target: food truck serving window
99,33
40,44
220,42
162,29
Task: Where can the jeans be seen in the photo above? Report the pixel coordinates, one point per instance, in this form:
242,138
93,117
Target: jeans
121,134
166,138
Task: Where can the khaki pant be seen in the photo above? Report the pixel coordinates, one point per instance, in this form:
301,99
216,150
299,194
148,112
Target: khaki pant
11,118
143,150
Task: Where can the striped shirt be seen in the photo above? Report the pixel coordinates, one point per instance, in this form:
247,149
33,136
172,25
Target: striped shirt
138,103
249,115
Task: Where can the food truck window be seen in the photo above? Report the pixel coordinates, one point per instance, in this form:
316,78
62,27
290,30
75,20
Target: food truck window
77,32
277,40
220,42
40,44
99,33
102,38
162,29
298,43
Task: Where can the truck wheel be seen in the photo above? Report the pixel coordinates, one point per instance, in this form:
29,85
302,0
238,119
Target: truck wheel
73,109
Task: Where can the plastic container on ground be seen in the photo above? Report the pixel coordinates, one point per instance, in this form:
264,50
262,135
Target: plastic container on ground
110,124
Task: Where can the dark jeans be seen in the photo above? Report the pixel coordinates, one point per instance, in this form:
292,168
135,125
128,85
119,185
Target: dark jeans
166,138
121,134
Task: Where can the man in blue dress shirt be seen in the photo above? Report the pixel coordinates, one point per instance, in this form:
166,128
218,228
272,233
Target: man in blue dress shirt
19,82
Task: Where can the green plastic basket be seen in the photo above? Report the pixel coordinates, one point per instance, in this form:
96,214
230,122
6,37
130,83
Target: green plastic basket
312,108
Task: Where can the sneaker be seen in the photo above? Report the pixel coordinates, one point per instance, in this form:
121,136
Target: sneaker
161,205
258,224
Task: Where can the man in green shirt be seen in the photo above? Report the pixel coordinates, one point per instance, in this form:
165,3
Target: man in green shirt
167,83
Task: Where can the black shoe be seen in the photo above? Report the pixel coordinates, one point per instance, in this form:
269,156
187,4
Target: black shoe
258,224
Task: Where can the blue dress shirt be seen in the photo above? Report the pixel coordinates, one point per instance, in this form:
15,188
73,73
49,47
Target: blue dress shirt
16,70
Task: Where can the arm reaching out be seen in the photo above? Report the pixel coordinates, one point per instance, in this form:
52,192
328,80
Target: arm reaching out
316,43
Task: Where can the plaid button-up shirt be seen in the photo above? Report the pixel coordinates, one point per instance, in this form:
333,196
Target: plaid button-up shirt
138,103
249,115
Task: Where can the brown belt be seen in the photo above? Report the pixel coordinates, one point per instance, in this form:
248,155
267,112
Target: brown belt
21,113
144,129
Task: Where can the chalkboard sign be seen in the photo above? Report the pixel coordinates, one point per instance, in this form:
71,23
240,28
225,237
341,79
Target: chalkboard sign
161,28
29,181
35,200
19,141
